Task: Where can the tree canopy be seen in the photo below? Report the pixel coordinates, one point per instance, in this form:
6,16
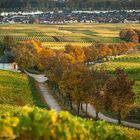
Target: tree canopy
69,4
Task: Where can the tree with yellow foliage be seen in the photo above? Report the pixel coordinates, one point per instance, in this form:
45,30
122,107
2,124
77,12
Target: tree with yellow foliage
77,52
118,94
25,56
75,84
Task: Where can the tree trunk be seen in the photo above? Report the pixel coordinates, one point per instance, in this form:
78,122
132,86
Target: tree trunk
81,106
97,117
119,117
78,108
86,109
71,107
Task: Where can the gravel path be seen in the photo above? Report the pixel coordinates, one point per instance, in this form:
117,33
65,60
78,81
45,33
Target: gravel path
50,100
52,103
91,112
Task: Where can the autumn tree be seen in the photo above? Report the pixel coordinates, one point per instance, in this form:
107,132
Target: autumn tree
103,50
129,35
100,75
118,94
77,52
25,55
72,84
44,55
89,88
56,64
8,43
138,33
91,53
114,49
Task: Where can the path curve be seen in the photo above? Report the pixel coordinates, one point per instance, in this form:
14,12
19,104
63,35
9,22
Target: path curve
52,103
49,99
91,112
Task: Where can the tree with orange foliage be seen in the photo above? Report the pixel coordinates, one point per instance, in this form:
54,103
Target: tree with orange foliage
91,53
25,56
103,50
33,54
129,35
55,65
77,52
96,99
44,55
73,84
118,94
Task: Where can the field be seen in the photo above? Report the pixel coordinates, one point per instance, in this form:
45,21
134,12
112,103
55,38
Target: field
16,90
79,34
131,64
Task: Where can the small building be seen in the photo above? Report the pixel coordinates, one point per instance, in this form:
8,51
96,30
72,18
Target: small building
7,62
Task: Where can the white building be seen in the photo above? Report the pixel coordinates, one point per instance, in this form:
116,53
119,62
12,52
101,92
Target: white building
7,62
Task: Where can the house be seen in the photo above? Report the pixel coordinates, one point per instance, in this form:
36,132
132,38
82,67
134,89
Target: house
7,62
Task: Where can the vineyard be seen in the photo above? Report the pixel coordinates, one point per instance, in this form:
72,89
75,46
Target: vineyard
16,90
38,124
53,35
131,64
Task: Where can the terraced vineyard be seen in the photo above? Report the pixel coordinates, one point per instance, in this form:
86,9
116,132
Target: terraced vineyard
73,33
17,90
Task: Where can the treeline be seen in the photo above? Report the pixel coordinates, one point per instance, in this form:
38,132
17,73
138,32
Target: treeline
36,55
75,85
99,51
69,4
130,35
73,82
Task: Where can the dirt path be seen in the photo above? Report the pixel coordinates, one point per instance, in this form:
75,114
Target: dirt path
91,112
53,104
50,100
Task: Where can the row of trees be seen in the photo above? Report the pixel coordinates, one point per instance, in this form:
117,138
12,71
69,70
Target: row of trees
130,35
35,56
69,4
76,84
100,51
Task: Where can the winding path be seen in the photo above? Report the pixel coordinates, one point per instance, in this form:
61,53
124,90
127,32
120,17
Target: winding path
49,99
91,112
53,104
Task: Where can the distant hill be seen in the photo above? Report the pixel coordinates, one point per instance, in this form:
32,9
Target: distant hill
68,4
